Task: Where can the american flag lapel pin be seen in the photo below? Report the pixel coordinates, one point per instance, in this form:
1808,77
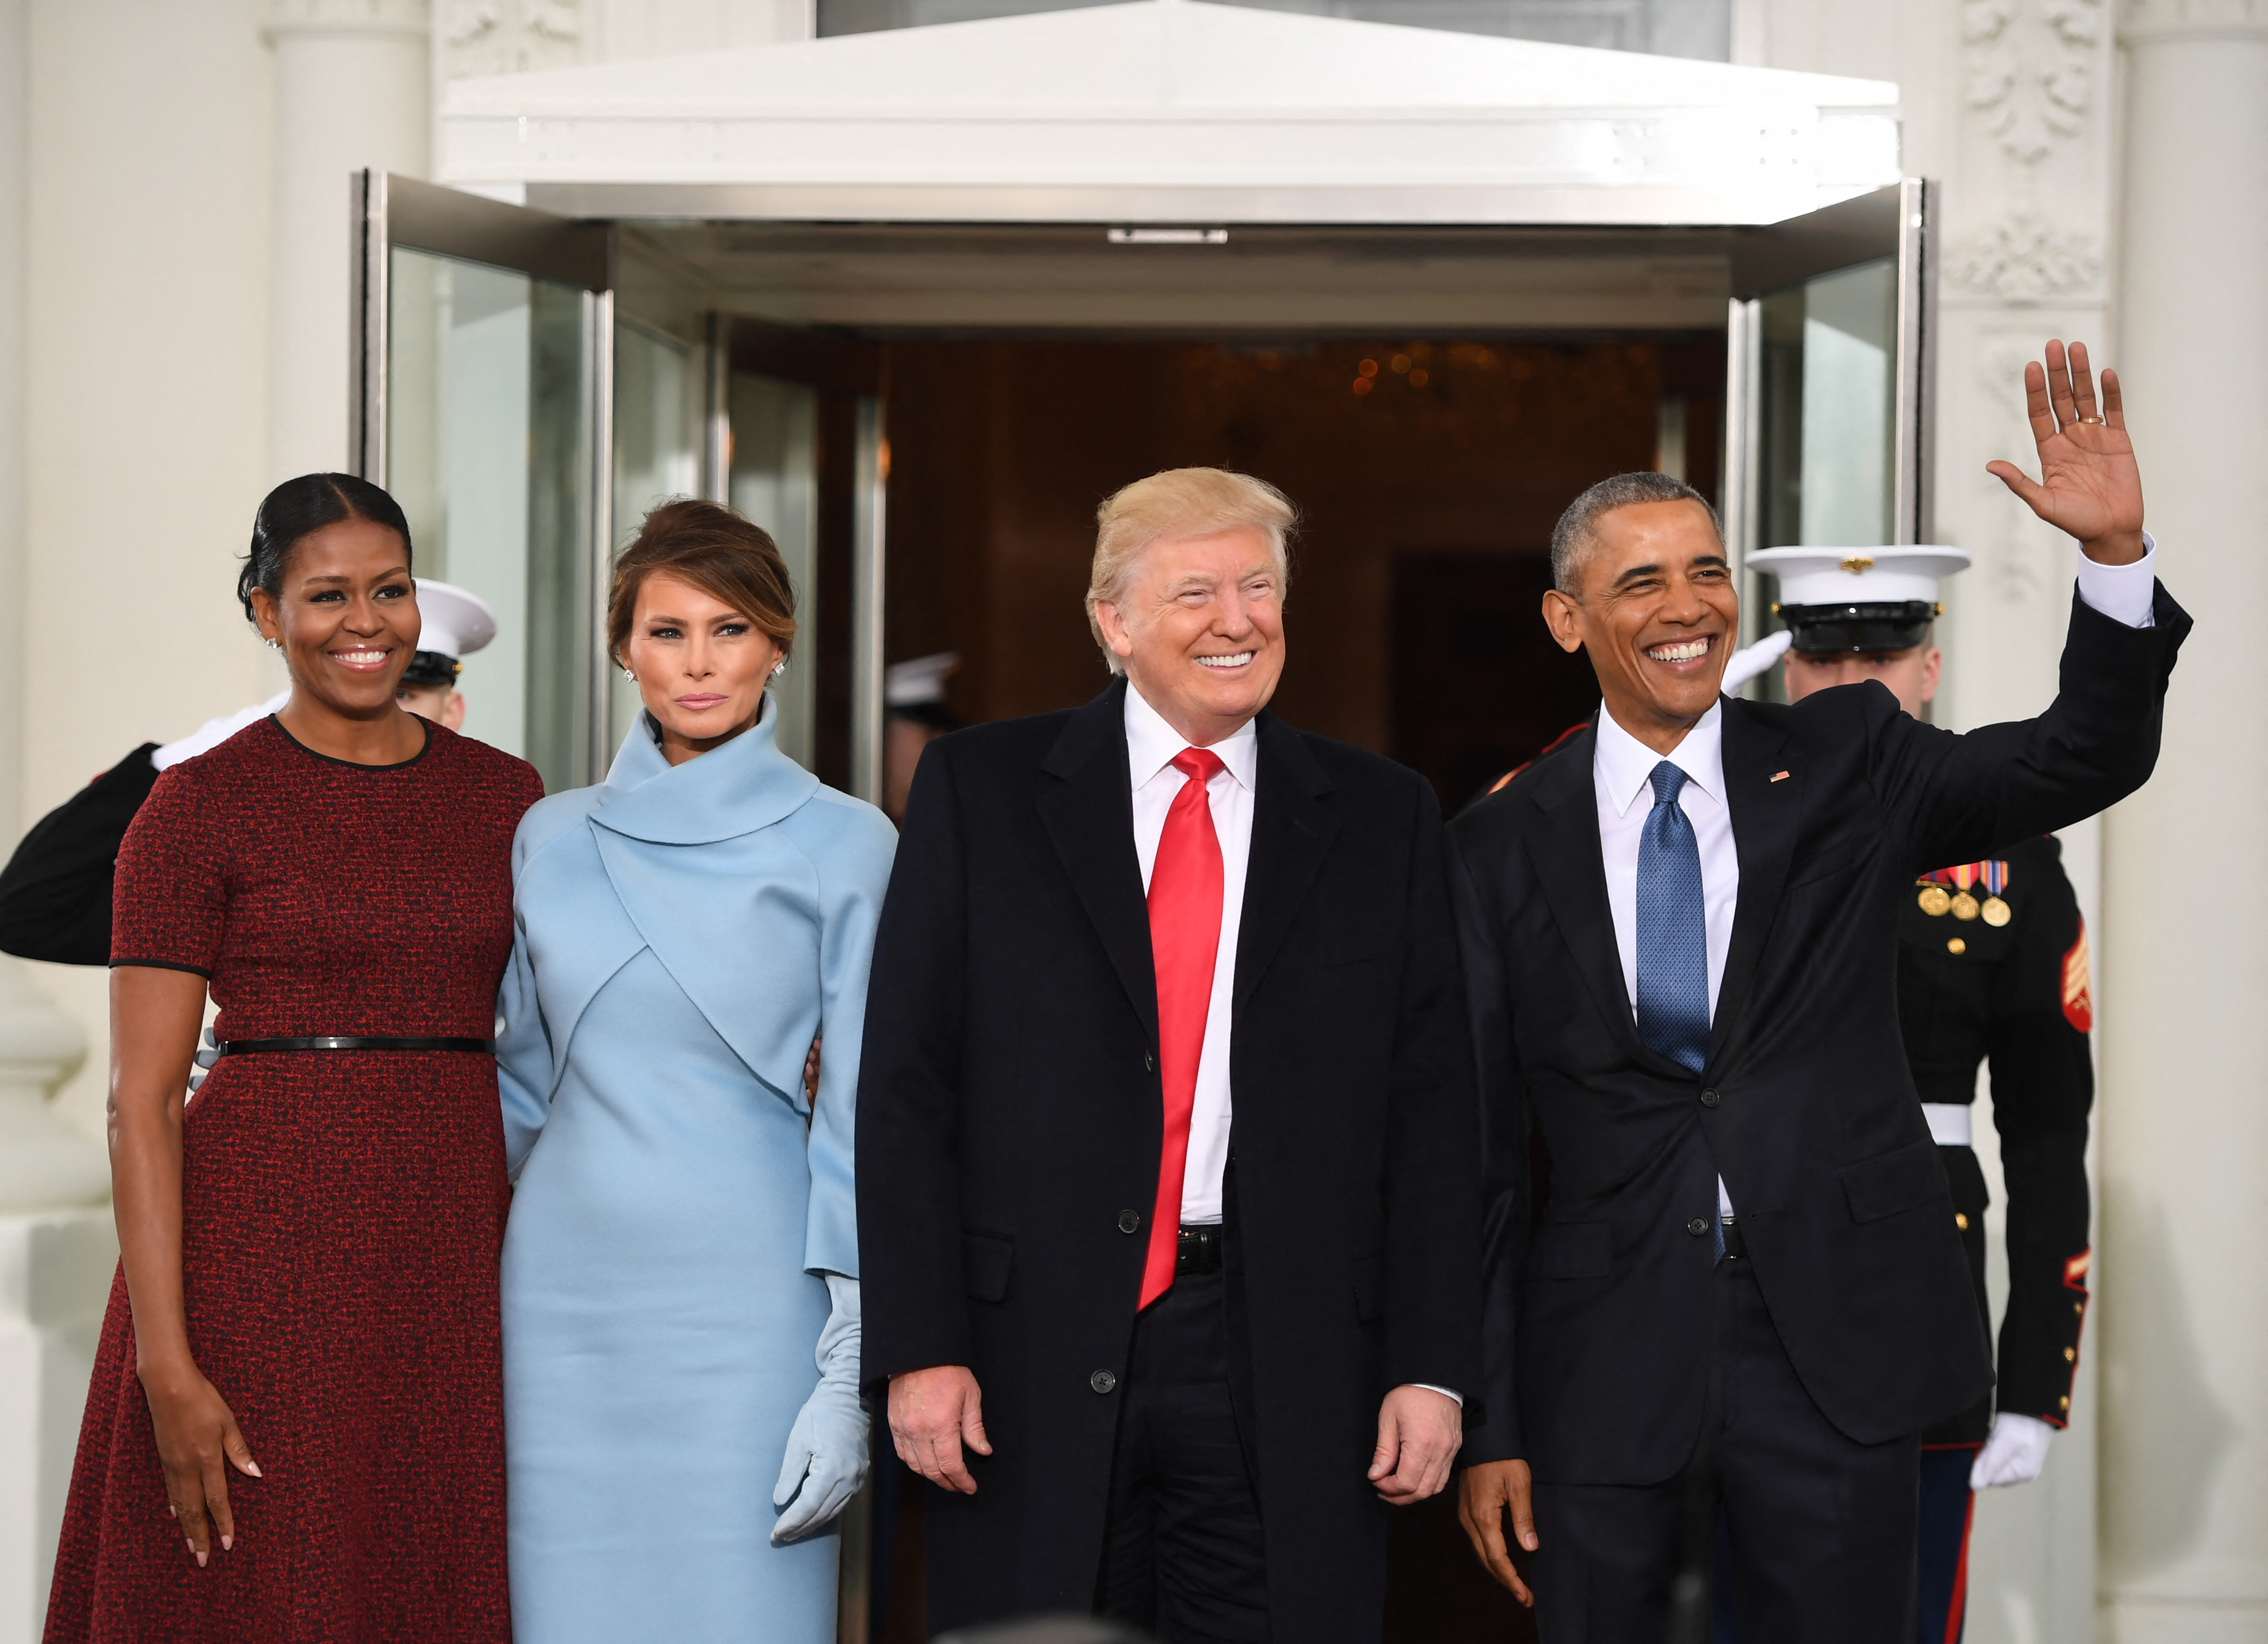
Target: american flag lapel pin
1779,776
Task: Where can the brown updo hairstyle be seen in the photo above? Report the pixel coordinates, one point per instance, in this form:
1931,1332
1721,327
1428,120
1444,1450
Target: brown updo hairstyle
709,546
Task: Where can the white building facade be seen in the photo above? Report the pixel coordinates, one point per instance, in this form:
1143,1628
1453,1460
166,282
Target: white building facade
178,317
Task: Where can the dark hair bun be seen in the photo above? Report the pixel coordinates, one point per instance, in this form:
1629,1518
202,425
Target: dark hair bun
299,508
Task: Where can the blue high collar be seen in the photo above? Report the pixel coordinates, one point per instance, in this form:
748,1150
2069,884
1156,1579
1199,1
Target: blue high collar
735,789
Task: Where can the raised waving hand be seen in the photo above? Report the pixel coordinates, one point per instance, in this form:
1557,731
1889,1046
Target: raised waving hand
2089,485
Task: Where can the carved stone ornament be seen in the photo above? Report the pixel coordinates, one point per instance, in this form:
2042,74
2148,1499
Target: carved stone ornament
509,36
2025,259
2005,536
2030,69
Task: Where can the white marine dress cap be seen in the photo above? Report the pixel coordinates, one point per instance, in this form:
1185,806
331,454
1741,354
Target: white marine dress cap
1860,575
458,622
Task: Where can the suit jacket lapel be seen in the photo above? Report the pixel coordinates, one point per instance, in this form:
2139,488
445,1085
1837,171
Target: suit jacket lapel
1765,814
1086,803
1564,842
1293,822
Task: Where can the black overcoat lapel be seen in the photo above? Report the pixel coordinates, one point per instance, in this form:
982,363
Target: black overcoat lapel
1563,840
1293,822
1763,791
1086,804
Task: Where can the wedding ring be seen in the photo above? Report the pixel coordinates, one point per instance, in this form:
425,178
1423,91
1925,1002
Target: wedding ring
2099,421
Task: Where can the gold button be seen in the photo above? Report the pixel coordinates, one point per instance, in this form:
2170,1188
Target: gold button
2078,1307
1961,1221
2064,1402
1956,946
2071,1355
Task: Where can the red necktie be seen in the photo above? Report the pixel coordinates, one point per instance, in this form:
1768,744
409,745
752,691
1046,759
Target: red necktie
1185,896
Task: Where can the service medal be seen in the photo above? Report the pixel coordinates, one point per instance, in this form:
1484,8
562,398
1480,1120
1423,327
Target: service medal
1934,902
1996,911
1965,906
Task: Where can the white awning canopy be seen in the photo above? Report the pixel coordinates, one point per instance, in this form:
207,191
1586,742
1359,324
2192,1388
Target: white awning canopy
1173,111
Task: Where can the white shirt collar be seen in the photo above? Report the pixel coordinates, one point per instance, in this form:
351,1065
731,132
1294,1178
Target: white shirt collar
1151,744
1624,764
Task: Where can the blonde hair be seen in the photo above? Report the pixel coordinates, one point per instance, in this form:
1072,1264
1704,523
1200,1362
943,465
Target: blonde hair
1180,502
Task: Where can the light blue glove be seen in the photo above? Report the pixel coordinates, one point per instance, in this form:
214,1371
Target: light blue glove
208,1053
826,1458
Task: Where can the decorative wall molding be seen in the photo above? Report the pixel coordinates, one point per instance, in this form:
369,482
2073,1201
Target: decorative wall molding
345,17
2030,69
2002,533
2146,22
2025,259
477,37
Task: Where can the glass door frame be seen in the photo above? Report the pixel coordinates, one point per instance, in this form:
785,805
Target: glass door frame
1898,222
389,210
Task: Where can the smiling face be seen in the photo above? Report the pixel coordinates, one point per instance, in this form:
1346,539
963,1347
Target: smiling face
1911,673
701,665
346,617
1656,610
1199,627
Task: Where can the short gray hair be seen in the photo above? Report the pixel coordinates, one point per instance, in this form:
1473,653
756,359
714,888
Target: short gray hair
1577,534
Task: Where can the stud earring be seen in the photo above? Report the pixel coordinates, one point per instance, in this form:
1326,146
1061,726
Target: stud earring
778,668
275,645
629,675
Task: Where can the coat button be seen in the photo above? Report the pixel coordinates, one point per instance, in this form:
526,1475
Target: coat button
1699,1226
1102,1381
1710,1098
1129,1221
1149,1061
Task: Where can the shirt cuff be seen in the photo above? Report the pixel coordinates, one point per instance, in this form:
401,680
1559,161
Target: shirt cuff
2122,592
1444,1391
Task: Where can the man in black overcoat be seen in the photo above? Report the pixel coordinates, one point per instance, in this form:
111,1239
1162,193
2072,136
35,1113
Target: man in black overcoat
1168,1189
1744,1287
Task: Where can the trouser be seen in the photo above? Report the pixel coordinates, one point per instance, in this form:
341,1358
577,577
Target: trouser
1947,1508
1181,1551
1819,1529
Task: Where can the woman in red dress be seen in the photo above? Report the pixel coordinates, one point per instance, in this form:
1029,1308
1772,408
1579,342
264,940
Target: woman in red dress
295,1428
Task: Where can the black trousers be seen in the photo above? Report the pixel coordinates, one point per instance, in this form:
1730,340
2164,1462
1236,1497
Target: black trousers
1181,1554
1821,1529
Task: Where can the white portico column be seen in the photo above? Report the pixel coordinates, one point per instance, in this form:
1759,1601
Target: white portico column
2184,1332
352,81
55,1240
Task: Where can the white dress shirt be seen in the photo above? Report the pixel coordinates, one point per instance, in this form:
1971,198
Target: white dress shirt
1621,767
1151,747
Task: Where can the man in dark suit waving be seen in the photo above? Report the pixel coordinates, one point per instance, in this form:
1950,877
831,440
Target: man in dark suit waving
1744,1286
1167,1200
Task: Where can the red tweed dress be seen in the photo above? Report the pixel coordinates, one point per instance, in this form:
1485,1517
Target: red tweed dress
342,1211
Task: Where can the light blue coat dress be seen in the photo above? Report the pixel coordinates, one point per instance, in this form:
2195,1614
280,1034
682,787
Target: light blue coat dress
682,935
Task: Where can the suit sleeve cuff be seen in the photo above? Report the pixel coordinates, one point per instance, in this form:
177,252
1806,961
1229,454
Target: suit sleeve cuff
2122,592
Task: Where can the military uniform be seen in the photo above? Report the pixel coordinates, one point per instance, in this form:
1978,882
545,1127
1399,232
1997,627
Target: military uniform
1992,967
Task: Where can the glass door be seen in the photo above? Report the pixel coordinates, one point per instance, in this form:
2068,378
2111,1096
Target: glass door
1826,420
484,387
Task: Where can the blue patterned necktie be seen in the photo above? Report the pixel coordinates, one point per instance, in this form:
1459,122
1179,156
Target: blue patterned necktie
1672,934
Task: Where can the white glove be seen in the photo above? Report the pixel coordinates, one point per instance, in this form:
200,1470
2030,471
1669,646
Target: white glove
213,732
826,1458
1750,660
2015,1454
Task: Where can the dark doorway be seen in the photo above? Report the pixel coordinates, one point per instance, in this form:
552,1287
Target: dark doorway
1438,461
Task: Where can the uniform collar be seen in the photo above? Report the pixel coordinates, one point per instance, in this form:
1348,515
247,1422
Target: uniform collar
1623,765
1151,744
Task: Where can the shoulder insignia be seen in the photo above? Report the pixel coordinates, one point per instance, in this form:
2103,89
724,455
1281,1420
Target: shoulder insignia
1551,748
2078,1003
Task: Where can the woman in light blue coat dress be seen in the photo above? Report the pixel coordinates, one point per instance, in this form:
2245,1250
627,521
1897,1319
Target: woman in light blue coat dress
679,1290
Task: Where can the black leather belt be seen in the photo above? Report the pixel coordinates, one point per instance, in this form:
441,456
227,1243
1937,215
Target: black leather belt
1199,1251
356,1042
